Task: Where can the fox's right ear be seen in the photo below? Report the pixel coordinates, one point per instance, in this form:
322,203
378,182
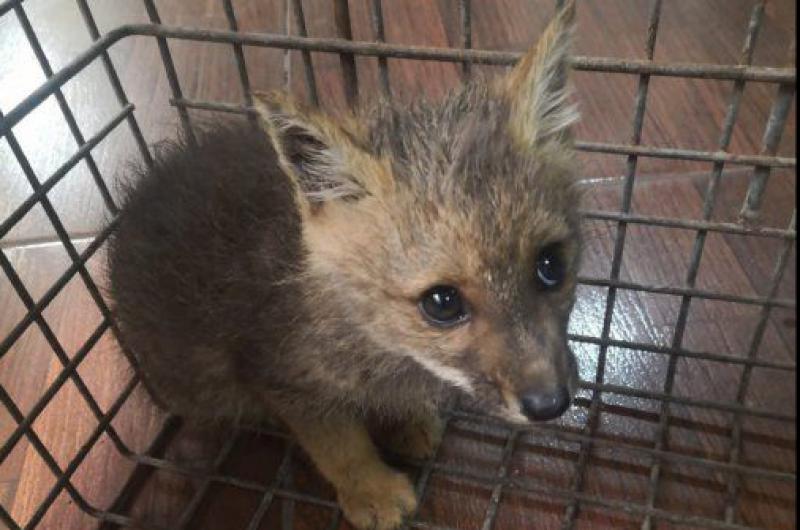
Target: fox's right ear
537,87
321,157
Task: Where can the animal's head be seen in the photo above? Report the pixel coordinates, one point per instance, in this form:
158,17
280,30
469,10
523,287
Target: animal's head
449,233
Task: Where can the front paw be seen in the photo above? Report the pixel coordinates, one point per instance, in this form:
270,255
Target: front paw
378,502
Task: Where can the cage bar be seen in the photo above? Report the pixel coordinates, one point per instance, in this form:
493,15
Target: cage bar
430,53
116,84
200,492
563,435
8,5
241,66
63,482
748,48
518,485
268,497
376,17
77,259
7,520
681,352
341,17
308,66
62,171
465,12
423,480
53,291
54,387
701,403
42,451
595,64
640,103
684,154
772,136
69,366
89,283
590,147
730,228
688,291
36,46
744,382
169,69
502,473
138,477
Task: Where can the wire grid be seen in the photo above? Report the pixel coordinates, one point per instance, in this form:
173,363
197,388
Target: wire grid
501,482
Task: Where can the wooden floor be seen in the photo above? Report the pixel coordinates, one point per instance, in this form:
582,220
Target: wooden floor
680,113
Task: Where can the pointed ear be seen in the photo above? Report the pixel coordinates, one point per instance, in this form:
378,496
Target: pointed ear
321,157
537,86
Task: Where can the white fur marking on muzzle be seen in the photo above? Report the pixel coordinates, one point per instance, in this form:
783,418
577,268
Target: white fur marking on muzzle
448,374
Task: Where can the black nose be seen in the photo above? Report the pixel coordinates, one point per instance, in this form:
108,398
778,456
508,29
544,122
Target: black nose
540,406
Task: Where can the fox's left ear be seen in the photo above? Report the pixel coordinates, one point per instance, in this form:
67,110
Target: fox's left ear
537,86
323,157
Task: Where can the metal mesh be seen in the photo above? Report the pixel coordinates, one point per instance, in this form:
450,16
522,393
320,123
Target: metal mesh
586,440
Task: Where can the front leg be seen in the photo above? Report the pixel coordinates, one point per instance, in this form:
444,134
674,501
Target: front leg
415,437
372,495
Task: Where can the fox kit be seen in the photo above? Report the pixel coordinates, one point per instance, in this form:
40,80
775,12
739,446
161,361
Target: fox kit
350,275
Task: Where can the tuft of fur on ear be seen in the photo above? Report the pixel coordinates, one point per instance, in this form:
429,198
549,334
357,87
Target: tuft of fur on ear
538,88
317,154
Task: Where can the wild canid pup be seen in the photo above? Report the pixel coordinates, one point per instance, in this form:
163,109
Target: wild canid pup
352,274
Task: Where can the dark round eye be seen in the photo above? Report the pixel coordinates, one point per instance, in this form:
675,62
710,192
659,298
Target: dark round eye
550,268
442,305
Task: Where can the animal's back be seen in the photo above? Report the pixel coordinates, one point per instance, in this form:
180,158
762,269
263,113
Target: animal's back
198,266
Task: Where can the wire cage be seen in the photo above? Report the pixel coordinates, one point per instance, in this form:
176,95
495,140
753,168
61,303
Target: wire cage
688,421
